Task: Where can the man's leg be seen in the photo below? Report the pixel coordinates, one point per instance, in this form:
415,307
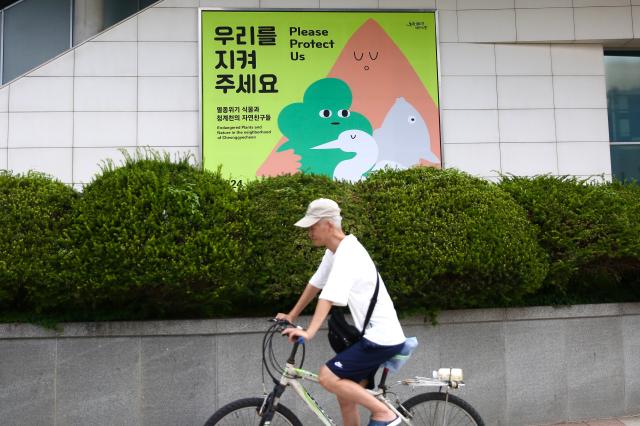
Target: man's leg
349,411
347,390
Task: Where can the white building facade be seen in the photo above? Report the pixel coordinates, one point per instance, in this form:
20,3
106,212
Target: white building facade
523,88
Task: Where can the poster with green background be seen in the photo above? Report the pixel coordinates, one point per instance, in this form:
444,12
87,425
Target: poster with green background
335,93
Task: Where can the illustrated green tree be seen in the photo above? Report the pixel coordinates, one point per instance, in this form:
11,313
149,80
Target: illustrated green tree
323,114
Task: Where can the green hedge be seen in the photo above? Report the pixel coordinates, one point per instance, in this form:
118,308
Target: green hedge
446,239
591,233
153,239
35,210
161,239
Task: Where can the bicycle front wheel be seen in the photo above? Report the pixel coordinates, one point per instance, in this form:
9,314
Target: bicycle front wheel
244,412
433,408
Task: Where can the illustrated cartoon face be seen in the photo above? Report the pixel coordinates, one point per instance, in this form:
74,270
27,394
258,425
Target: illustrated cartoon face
324,113
328,114
334,116
367,58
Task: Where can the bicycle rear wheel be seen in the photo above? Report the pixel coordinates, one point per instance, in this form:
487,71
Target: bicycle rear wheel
432,408
244,412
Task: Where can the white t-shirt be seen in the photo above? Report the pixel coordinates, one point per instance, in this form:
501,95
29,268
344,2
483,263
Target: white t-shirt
348,277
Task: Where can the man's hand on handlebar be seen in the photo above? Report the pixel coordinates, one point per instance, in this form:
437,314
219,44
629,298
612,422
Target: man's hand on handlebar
294,333
287,317
290,329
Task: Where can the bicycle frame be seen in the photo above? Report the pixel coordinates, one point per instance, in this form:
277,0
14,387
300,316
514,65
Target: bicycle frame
293,376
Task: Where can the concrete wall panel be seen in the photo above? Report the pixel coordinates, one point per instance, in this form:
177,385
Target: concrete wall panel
487,25
540,25
448,26
61,66
4,131
42,94
595,373
470,126
596,158
397,4
522,366
482,159
631,337
483,361
178,379
528,159
597,23
523,59
98,382
467,59
27,382
527,125
56,162
577,59
54,129
536,371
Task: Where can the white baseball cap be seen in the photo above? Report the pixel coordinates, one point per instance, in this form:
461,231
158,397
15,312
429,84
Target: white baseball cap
322,208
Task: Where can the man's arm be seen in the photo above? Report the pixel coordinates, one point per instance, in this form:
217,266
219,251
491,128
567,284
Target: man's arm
322,310
309,293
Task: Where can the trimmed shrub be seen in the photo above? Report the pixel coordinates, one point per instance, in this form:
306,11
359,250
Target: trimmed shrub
444,239
281,258
154,239
591,233
162,239
35,211
630,277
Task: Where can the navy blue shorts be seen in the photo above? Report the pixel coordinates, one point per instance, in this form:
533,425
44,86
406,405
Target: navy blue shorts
361,361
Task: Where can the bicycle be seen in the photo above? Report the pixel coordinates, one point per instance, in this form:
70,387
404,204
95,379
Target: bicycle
424,409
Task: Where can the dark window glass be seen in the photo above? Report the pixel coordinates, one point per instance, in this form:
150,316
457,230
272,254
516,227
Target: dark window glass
627,162
623,102
34,32
94,16
117,10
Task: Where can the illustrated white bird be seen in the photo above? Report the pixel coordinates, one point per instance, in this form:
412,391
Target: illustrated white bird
366,151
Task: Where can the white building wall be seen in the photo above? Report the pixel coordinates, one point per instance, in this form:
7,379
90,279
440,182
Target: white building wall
522,87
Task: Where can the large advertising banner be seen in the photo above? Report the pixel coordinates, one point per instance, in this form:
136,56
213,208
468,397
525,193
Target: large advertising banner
333,93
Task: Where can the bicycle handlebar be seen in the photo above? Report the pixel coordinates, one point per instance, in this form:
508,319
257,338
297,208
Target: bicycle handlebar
283,323
280,321
269,359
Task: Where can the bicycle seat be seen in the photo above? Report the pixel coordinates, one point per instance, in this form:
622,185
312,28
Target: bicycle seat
398,360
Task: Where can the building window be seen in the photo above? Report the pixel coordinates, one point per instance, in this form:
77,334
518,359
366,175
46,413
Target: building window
33,32
622,71
93,16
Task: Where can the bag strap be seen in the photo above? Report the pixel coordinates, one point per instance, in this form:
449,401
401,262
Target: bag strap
372,304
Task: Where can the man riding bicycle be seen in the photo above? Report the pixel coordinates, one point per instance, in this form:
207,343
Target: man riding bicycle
348,276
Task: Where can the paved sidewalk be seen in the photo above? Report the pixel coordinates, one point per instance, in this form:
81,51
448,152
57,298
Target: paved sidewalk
617,421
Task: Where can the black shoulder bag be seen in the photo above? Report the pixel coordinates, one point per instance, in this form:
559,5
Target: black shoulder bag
341,333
